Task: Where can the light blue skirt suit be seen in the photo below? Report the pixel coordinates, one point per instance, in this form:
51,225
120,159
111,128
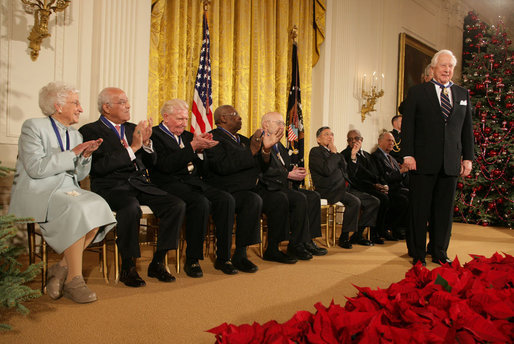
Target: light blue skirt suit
46,187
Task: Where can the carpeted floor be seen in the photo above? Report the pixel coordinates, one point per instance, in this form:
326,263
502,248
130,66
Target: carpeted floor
182,311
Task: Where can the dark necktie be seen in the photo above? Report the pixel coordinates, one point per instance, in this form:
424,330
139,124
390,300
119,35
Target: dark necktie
392,162
446,106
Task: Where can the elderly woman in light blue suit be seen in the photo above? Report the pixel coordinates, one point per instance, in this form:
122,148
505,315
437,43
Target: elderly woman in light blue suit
52,159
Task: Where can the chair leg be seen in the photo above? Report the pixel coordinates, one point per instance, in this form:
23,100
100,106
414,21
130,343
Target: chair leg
327,231
178,260
104,261
31,237
44,257
116,260
261,245
334,224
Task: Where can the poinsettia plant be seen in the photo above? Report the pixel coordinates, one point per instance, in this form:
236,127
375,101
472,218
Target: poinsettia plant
473,303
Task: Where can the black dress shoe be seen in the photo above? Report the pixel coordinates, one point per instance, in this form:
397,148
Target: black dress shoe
422,261
364,242
158,271
245,265
225,266
299,252
345,244
131,278
193,269
279,257
389,237
378,240
442,261
314,249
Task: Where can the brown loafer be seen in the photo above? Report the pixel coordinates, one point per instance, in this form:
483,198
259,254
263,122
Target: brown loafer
55,281
77,290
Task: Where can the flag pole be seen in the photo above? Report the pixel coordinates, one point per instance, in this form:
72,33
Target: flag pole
206,4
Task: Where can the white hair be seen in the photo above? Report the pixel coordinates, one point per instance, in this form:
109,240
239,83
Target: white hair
267,116
105,97
56,92
173,105
433,63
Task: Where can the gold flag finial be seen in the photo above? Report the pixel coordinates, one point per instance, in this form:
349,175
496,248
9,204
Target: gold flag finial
294,33
206,4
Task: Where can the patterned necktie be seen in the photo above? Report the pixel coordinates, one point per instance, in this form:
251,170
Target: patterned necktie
446,106
122,140
392,162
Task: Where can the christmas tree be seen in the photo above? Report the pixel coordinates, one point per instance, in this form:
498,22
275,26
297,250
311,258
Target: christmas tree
13,290
485,196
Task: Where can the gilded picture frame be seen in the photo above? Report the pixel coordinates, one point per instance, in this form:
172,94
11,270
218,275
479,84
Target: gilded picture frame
413,57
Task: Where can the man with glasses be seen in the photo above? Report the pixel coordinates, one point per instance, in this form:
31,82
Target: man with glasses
233,165
118,174
292,213
180,160
366,179
330,174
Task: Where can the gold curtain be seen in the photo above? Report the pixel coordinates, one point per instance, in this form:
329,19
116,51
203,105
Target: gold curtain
250,54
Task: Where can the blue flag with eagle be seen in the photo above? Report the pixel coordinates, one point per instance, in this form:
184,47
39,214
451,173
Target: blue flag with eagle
294,124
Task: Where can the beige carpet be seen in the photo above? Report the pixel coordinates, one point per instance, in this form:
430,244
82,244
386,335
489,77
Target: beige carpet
182,311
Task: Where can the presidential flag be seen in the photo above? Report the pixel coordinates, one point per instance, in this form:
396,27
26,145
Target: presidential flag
201,121
295,130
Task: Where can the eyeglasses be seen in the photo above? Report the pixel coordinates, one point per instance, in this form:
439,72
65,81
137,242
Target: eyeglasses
122,102
76,102
231,114
356,138
280,123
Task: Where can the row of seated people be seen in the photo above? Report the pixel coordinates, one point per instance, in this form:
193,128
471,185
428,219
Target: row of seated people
372,187
241,177
221,173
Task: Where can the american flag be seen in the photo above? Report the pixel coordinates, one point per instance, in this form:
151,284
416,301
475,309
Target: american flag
295,132
201,122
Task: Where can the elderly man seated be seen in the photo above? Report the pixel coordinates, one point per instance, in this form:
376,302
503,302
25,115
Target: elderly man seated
395,176
330,174
291,212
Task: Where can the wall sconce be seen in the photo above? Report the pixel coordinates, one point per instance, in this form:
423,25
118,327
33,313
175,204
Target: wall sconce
42,10
370,93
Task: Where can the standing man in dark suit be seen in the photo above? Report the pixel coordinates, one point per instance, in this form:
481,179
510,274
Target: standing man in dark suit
396,121
330,173
233,165
118,174
366,179
395,177
278,184
437,147
180,159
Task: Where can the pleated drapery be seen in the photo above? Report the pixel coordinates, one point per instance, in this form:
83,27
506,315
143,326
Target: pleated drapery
250,54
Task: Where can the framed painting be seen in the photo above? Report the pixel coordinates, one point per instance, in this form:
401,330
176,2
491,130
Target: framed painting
413,57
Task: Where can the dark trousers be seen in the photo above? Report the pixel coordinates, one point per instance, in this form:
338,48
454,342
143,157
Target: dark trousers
199,203
380,227
293,212
431,198
352,206
126,203
397,216
369,206
248,212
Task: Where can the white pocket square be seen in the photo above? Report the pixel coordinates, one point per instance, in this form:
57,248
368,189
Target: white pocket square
463,102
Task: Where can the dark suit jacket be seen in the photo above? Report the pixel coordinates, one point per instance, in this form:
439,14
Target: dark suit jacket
171,164
389,173
366,173
111,167
434,144
231,165
329,170
274,177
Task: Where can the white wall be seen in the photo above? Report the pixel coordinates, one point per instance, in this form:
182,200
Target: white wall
94,44
362,37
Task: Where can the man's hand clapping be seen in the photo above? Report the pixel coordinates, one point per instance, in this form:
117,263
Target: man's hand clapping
141,135
203,141
298,173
